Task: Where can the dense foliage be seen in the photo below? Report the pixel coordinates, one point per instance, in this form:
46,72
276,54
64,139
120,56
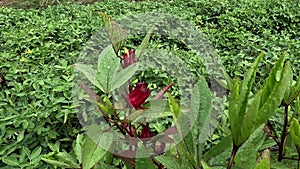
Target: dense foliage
39,46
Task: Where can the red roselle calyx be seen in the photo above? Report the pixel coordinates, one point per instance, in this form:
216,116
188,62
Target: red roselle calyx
128,58
138,95
146,133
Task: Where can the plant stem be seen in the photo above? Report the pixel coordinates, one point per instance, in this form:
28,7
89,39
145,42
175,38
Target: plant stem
284,133
233,153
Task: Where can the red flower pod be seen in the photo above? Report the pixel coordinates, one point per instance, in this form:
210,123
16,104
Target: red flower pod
128,58
138,95
146,133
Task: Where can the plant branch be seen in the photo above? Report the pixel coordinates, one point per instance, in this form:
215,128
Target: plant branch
233,153
284,132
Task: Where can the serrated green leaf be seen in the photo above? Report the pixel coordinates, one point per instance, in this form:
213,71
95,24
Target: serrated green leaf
270,82
272,95
233,113
246,87
200,106
115,33
108,64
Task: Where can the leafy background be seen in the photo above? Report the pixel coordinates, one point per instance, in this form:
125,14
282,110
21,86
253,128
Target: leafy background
39,45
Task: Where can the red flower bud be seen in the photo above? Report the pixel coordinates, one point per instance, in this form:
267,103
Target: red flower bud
146,133
138,95
128,58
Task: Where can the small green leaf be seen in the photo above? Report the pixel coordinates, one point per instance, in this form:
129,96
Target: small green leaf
56,163
10,161
175,109
78,147
68,159
36,152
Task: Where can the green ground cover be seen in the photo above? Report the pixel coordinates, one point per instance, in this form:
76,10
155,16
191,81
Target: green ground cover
39,46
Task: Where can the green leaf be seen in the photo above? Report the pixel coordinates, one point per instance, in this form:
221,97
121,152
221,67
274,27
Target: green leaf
78,147
246,157
174,106
294,92
11,161
102,165
237,108
264,162
246,87
115,33
169,161
108,64
233,113
89,73
295,131
68,159
247,127
142,163
95,148
225,143
56,163
273,92
200,106
36,152
123,76
144,44
204,165
286,97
